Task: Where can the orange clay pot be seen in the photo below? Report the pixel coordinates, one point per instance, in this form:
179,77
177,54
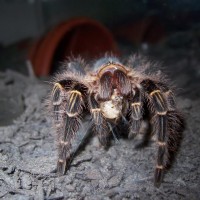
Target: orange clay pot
77,37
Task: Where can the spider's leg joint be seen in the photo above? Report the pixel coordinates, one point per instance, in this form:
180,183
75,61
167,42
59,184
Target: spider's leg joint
58,125
72,114
57,94
160,143
64,142
95,110
57,85
74,103
159,166
162,113
159,101
60,160
75,92
136,104
136,110
154,92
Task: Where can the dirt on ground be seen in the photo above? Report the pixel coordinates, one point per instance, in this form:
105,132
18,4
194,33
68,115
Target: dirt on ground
28,152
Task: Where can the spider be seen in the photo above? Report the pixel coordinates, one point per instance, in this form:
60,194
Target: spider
114,94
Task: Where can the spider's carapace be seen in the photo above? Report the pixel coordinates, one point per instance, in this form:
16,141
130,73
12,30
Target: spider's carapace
111,67
113,77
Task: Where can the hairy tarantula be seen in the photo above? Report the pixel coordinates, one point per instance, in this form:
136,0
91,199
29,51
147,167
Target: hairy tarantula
113,94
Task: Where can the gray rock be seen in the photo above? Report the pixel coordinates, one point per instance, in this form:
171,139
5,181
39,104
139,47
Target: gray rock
26,181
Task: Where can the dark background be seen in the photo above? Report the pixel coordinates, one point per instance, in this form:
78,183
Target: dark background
135,25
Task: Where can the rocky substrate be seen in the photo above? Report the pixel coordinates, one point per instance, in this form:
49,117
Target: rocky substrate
28,152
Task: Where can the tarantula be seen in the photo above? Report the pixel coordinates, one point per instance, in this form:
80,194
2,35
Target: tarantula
114,94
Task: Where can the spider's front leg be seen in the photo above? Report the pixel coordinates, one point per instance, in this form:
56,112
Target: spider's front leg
100,124
67,107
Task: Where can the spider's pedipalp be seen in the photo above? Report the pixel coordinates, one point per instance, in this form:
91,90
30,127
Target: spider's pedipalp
122,82
105,88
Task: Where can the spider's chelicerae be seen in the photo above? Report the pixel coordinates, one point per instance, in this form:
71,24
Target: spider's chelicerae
114,94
